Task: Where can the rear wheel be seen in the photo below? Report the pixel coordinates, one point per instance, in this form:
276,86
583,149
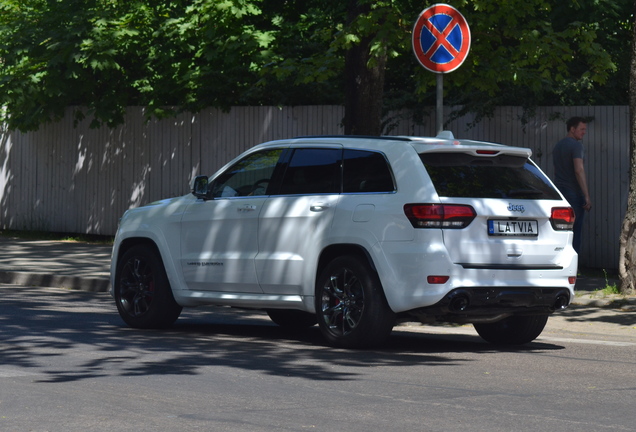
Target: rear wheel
142,291
292,319
514,330
350,304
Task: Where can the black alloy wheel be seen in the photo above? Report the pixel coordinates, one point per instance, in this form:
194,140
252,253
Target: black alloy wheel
142,292
350,304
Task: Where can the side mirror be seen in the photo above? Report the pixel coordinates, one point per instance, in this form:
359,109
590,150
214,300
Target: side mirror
200,187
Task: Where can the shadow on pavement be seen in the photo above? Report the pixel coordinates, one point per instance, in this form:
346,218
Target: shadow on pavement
82,332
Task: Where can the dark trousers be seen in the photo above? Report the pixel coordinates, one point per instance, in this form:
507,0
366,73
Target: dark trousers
577,202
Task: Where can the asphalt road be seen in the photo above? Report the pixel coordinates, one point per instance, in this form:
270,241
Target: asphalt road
67,363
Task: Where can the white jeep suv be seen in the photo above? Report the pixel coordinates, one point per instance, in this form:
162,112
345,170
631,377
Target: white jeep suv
357,234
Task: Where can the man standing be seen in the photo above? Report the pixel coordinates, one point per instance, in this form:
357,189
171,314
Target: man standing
569,174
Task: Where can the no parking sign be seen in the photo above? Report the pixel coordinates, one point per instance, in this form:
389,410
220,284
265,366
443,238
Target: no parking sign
441,38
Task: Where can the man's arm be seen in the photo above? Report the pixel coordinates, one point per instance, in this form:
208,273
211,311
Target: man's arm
579,171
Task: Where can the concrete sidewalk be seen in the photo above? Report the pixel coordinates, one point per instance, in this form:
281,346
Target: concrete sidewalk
59,264
86,267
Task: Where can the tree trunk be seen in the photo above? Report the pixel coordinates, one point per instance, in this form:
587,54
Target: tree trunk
627,255
364,85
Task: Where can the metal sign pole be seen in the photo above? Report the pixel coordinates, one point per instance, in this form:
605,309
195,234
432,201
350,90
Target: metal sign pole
440,103
441,41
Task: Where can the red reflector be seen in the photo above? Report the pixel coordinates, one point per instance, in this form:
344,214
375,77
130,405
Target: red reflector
437,279
572,280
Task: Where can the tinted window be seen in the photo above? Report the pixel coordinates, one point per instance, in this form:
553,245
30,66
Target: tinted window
504,176
248,177
366,171
313,171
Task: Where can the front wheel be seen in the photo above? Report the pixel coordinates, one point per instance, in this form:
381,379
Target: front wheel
350,304
514,330
142,291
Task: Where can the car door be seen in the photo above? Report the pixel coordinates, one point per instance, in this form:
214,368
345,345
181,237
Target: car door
219,235
295,222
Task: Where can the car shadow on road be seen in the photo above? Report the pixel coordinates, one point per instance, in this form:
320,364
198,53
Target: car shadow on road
82,338
272,350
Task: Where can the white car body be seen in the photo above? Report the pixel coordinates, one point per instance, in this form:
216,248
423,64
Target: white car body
266,251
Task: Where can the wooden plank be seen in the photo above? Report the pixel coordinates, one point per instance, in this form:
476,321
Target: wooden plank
12,161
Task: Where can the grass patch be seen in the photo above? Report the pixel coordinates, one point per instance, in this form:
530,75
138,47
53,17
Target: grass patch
52,236
610,288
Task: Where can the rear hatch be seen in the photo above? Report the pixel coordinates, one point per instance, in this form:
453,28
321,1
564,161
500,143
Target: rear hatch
514,204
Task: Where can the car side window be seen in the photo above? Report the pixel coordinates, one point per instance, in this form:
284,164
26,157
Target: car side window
313,171
366,172
248,177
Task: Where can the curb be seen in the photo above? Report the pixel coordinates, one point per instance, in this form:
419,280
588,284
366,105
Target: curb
48,281
102,285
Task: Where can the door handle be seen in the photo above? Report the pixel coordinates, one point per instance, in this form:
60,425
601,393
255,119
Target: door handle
318,207
246,208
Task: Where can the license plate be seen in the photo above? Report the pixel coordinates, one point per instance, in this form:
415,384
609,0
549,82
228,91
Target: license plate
528,228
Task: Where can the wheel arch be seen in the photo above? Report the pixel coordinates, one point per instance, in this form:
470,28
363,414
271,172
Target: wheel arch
125,244
339,249
336,250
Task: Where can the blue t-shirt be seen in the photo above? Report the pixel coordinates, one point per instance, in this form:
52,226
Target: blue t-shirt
565,151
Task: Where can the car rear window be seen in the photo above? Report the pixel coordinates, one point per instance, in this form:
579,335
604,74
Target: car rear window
503,176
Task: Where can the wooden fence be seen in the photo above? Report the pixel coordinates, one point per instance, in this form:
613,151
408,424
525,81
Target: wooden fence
79,180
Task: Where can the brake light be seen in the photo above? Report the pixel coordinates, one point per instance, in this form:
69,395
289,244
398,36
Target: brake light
487,152
454,216
562,218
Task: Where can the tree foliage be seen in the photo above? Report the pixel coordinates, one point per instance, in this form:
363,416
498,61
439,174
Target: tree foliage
105,55
530,53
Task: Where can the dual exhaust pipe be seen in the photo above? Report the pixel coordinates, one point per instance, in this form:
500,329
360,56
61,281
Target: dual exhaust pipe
561,301
460,301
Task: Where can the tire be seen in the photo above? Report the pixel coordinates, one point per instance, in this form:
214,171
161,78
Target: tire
292,319
350,305
514,330
142,292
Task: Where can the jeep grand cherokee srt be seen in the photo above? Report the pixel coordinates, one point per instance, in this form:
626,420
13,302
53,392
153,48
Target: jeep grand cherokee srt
357,234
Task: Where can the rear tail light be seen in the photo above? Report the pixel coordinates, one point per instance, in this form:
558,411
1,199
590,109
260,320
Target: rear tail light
452,216
562,218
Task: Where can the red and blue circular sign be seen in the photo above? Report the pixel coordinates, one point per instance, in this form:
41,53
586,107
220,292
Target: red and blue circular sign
441,38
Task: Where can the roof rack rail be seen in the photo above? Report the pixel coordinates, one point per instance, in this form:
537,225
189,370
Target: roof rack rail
381,137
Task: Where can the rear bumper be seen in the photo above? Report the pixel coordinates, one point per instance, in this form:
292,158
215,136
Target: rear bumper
405,268
485,304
